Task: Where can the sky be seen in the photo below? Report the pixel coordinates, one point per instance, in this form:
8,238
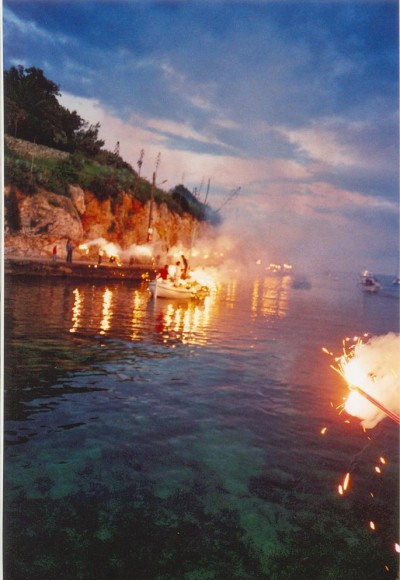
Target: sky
293,102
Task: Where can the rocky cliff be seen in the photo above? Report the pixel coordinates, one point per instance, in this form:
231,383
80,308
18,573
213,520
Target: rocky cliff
47,219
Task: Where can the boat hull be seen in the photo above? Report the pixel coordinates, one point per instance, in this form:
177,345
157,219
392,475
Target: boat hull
161,289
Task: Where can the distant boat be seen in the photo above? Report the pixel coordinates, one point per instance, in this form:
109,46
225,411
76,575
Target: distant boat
369,283
301,283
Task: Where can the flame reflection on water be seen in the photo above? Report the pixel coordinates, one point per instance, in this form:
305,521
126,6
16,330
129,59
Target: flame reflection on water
270,297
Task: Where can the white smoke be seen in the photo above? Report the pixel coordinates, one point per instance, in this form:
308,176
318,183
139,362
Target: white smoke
375,368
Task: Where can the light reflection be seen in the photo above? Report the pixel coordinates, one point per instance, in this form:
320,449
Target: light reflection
76,310
186,323
254,298
138,314
231,289
107,311
270,299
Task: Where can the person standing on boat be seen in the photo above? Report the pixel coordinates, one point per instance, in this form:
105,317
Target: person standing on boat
185,267
164,272
69,248
178,272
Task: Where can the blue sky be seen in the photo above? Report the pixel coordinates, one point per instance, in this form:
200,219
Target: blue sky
295,102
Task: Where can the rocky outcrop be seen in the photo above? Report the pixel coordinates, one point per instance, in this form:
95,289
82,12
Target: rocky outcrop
78,198
50,214
48,219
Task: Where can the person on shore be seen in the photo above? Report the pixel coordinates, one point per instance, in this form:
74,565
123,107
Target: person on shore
185,267
164,272
69,248
54,256
178,272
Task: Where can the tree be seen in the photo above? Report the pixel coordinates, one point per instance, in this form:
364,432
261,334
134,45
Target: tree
30,104
32,112
87,139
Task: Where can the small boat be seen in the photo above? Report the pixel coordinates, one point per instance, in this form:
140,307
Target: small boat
160,288
369,283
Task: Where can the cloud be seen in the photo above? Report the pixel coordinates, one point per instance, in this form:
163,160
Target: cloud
13,24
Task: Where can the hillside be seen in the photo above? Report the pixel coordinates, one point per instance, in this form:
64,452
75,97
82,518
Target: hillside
37,217
60,182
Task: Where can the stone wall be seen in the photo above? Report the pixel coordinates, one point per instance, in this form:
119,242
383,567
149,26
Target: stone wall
28,149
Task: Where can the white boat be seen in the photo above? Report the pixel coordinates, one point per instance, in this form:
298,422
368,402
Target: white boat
160,288
369,283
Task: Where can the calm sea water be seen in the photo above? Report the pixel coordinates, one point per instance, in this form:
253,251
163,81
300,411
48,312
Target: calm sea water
164,440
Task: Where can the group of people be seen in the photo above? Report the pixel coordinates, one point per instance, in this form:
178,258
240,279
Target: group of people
68,247
177,273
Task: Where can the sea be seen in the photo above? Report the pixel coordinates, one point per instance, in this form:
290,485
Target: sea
158,439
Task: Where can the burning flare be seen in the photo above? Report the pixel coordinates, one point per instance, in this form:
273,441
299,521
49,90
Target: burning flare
372,371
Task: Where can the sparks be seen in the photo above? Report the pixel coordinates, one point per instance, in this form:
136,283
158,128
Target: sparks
366,372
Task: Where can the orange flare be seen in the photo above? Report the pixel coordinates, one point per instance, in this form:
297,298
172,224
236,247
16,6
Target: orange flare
346,481
397,548
378,469
382,460
340,490
323,430
372,525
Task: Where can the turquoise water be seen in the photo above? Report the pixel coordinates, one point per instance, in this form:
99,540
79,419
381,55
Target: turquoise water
158,439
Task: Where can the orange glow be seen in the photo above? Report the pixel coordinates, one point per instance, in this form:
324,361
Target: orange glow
76,311
340,490
378,469
346,481
382,460
324,430
107,311
372,525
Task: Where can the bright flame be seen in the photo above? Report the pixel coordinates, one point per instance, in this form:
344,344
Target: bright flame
84,248
373,367
205,277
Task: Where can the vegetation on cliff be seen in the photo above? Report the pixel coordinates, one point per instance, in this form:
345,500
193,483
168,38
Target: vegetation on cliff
33,114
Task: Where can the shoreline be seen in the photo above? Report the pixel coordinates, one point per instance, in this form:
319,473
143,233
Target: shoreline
82,269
